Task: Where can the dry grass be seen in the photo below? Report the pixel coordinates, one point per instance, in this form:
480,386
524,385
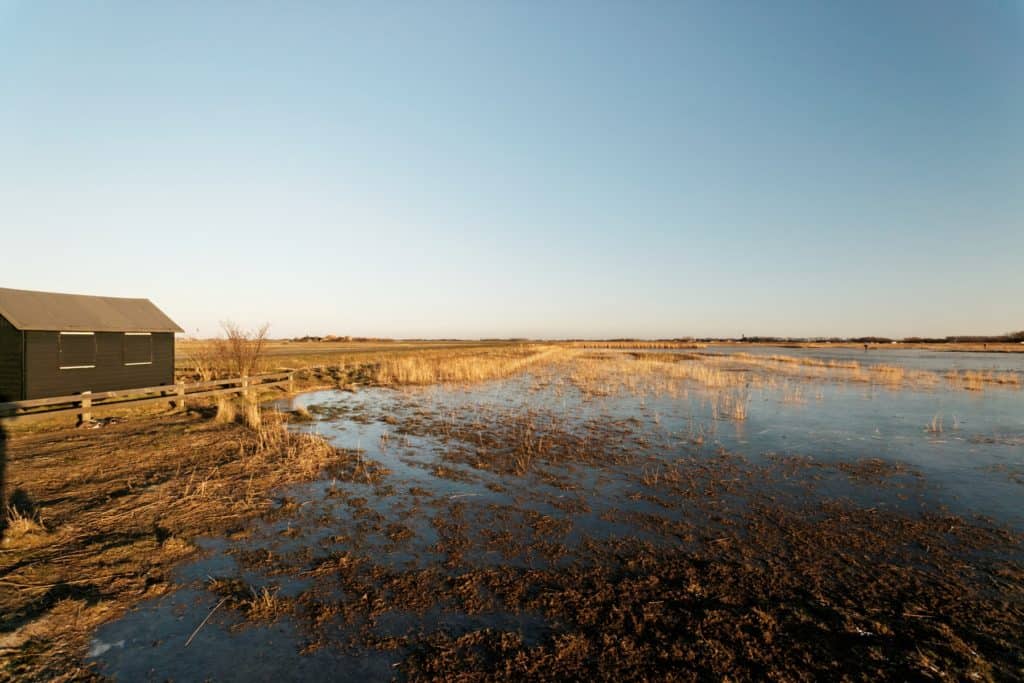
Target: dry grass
894,376
433,368
810,362
724,381
294,355
21,527
105,513
730,405
638,344
347,365
976,380
264,605
889,374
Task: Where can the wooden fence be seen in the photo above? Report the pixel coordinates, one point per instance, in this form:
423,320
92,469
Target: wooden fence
86,403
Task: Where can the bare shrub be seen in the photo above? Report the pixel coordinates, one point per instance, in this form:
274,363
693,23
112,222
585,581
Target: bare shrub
239,353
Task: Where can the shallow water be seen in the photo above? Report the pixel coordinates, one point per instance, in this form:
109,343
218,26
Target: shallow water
975,466
912,359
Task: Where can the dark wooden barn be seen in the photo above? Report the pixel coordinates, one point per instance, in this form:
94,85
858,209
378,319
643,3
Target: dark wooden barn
63,344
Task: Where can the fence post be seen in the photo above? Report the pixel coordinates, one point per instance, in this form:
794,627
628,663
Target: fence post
180,390
85,416
291,382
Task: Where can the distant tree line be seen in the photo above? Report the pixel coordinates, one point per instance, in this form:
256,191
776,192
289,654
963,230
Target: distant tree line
1008,338
339,338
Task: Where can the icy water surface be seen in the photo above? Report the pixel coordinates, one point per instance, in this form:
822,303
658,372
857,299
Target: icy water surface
442,467
912,359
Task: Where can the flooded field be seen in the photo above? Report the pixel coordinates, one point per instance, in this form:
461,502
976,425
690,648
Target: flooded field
784,513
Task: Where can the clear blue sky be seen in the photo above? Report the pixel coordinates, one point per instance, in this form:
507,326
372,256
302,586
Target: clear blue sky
521,168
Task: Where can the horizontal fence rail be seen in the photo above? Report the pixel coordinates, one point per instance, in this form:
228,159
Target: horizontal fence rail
85,403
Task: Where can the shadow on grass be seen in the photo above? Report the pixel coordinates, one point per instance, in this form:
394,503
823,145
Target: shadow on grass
3,489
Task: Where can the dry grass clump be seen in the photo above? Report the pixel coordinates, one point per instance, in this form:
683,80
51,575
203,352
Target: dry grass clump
227,410
810,362
251,414
262,604
21,528
887,374
730,405
304,455
454,366
977,380
265,605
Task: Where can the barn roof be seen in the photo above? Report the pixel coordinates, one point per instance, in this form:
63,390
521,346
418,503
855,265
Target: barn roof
49,311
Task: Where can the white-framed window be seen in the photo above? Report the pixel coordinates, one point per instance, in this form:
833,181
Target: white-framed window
138,348
76,350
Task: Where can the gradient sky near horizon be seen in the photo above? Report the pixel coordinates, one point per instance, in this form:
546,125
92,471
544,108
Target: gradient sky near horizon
562,169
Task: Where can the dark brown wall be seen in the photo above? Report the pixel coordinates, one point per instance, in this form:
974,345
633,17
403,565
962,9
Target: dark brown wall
43,376
10,362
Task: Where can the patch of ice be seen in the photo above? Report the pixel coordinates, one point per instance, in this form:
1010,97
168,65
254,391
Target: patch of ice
98,647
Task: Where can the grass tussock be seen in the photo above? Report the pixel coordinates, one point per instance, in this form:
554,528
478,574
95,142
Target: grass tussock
21,528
